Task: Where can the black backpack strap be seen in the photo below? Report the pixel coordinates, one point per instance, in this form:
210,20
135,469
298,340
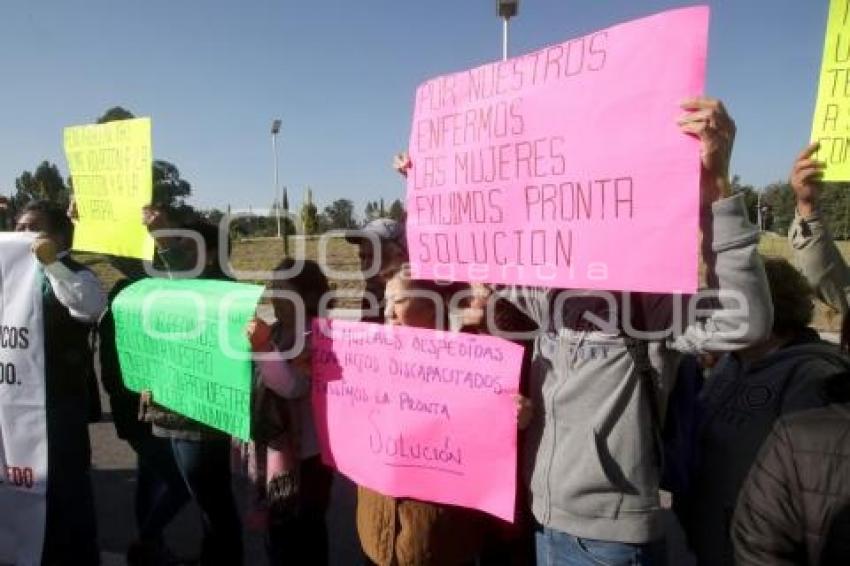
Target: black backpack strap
639,351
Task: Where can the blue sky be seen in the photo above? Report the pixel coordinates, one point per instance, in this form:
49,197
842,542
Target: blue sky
213,73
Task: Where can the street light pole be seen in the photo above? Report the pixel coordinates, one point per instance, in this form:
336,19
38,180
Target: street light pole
275,131
505,27
286,223
507,9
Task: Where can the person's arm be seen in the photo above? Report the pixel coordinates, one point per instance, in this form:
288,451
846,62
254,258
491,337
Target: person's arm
813,250
767,527
283,378
741,312
79,291
533,303
279,375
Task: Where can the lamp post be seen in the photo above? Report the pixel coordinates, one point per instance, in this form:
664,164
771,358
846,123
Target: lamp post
275,131
286,223
507,10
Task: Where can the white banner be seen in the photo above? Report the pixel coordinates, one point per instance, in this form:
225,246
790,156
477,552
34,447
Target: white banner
23,425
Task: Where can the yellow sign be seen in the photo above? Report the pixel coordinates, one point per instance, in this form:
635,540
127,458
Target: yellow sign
831,125
111,171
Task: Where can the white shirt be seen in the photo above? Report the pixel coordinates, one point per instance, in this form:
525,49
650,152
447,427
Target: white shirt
79,291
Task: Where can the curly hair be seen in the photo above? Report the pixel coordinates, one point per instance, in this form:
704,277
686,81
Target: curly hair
793,298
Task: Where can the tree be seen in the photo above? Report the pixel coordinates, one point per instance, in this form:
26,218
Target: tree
372,211
115,114
751,198
213,215
46,183
780,198
309,215
835,206
168,188
397,211
340,214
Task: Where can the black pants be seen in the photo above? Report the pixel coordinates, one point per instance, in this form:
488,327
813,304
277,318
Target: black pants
303,538
70,535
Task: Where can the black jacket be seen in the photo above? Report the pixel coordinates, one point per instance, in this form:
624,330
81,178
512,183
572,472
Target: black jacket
795,505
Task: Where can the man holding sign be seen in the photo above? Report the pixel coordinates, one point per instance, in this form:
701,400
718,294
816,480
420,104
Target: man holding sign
560,210
604,367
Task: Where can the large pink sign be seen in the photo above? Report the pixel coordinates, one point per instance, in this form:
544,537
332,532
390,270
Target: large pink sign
416,413
565,167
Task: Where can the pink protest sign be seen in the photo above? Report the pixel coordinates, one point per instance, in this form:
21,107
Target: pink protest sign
418,413
565,167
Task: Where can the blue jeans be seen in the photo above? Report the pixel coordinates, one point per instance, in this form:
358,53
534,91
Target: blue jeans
555,548
205,466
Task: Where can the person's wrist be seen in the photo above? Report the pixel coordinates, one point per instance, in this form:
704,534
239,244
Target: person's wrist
805,208
714,188
724,187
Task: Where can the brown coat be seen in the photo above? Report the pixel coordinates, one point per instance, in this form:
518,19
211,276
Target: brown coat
795,505
406,532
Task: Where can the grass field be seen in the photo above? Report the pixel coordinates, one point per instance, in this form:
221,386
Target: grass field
264,254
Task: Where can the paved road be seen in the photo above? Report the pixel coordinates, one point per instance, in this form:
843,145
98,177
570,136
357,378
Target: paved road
114,483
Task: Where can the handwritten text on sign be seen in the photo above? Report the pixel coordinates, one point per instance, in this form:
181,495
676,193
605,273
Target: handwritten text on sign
545,168
184,340
419,413
23,420
111,168
831,126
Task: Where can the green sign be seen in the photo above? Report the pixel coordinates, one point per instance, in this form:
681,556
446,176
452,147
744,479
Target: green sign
184,340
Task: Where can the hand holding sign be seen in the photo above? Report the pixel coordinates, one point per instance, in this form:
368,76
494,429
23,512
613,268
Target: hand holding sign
44,249
524,412
806,178
259,335
72,211
402,163
155,218
708,120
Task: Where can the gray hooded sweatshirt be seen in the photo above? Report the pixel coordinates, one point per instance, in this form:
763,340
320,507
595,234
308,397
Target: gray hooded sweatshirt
591,452
818,259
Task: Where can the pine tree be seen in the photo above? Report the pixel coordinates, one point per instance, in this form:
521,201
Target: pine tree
309,214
